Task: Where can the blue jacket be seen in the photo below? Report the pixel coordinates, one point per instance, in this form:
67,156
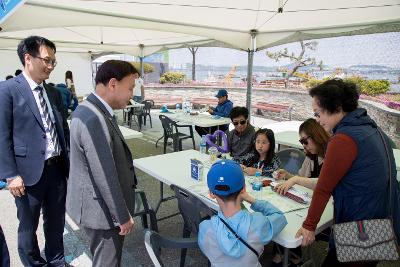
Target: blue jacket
224,109
363,192
222,248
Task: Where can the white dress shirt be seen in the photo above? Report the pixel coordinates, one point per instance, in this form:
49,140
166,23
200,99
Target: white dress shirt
50,146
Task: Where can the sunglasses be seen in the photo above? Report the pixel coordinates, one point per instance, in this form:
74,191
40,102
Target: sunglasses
304,141
236,123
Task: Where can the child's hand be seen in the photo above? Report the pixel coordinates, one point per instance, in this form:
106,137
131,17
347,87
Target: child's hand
247,197
251,171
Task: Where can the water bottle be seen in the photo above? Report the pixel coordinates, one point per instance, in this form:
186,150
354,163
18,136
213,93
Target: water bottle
203,145
257,184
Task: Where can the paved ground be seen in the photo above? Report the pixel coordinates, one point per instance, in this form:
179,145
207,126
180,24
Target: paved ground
134,253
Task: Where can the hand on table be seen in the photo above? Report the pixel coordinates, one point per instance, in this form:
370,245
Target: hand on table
127,227
308,236
16,186
285,186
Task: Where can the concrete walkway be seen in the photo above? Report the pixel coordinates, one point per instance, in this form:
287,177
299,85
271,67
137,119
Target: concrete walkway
134,252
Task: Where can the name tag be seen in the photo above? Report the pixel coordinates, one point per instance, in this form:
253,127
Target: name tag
196,169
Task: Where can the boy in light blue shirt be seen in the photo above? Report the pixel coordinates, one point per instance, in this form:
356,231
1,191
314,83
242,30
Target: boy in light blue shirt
222,238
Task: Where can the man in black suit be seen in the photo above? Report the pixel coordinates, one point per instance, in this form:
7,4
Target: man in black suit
34,141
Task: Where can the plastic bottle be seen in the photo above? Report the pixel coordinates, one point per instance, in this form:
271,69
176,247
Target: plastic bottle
203,145
257,185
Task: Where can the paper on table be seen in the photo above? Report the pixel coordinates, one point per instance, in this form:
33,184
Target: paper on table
283,203
201,188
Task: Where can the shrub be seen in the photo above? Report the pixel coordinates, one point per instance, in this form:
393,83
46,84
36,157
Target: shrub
374,87
147,67
367,87
172,77
314,82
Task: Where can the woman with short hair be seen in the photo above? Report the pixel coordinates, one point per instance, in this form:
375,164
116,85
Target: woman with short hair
355,170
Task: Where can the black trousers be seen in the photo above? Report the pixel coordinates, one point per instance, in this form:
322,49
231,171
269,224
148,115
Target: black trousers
4,255
47,195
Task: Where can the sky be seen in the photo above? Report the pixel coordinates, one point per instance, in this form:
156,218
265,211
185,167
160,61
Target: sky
375,49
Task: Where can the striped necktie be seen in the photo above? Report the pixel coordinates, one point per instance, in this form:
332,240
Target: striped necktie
50,125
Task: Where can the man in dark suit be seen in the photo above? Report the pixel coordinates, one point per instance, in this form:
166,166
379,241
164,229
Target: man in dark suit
34,141
102,179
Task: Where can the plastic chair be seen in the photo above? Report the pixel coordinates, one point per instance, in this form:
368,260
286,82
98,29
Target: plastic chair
143,210
134,115
154,242
171,131
291,159
148,104
193,212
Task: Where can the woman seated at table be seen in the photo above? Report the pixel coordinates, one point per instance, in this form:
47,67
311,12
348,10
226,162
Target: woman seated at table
263,157
241,138
314,139
356,166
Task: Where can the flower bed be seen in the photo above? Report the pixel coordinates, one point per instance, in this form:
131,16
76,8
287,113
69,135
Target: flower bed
390,100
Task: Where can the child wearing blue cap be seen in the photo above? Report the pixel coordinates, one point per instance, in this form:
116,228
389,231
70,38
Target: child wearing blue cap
236,237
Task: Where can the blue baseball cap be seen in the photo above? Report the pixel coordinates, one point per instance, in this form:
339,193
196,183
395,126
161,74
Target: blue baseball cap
221,93
225,177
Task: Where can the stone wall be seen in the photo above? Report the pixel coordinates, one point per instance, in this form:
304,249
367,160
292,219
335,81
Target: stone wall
388,119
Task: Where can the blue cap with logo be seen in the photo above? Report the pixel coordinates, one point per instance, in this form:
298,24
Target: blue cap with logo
221,93
225,177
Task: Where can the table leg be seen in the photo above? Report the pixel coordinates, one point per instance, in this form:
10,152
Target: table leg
162,199
286,257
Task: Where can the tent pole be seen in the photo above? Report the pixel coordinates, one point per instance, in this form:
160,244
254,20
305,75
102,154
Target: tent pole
92,58
141,46
250,57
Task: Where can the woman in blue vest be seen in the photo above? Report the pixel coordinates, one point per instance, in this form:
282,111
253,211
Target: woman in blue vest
356,166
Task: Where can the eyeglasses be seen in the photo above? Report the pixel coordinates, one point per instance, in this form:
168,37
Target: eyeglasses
236,123
304,141
47,61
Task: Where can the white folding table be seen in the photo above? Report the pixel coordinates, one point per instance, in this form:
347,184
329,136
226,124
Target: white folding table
127,133
174,168
203,119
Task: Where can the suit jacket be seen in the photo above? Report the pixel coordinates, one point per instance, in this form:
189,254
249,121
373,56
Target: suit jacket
102,178
22,134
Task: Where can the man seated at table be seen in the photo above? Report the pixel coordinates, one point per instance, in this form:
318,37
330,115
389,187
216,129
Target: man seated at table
241,138
236,237
223,109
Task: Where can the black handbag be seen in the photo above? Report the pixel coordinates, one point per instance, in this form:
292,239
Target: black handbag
368,240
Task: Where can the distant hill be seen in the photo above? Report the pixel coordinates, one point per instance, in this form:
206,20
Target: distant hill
370,67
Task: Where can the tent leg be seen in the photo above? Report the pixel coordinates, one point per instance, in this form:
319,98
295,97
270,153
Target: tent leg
250,57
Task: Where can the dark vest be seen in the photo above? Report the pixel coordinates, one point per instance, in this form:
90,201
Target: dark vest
363,192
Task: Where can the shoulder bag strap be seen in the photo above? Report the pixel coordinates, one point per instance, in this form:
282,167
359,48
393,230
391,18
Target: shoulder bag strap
238,237
389,174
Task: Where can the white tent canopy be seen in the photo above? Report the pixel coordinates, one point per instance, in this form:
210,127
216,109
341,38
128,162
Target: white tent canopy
121,25
143,27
